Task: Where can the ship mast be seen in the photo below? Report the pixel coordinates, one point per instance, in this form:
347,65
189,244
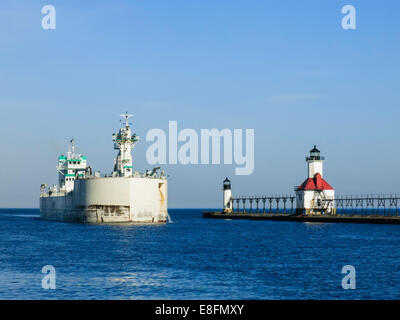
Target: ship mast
72,152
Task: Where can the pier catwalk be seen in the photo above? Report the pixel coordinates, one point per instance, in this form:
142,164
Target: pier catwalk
381,209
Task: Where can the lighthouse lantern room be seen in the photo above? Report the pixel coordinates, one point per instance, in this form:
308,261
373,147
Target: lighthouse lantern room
315,195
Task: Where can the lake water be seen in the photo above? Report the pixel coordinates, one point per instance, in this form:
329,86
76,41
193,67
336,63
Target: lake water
196,258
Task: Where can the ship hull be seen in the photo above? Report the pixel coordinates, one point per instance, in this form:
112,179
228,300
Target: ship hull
109,200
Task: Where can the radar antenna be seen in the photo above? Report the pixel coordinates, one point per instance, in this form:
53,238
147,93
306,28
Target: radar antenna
126,116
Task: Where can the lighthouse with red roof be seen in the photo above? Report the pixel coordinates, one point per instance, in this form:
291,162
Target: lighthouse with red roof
315,195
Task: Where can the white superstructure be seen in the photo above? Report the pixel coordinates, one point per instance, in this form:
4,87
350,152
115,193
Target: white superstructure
70,167
123,196
124,141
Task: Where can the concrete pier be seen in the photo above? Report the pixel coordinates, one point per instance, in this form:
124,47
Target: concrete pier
375,219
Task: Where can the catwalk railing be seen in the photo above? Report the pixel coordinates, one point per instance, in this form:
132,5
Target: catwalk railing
264,204
386,205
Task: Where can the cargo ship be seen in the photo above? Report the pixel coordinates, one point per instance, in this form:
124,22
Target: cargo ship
124,196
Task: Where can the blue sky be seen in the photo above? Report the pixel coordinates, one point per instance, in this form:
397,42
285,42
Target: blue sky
287,69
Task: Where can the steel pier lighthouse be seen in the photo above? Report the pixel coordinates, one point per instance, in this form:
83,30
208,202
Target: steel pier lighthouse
227,198
315,195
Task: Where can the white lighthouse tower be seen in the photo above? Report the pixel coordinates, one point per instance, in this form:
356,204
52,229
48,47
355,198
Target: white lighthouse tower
315,163
315,195
227,204
124,141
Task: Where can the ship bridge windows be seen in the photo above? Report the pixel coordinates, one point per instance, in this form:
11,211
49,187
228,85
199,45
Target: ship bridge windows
74,162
